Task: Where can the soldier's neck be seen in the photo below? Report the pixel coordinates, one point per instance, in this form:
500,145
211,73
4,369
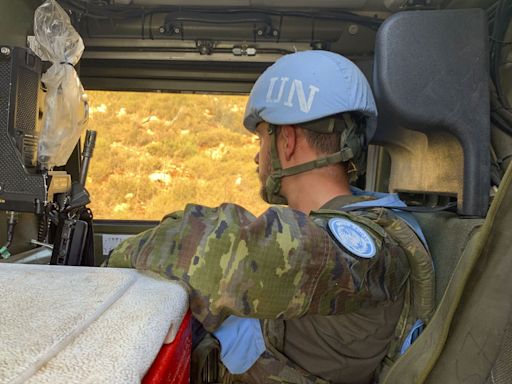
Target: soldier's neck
310,191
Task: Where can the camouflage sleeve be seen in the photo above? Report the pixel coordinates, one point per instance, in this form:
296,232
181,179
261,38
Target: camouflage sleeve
279,265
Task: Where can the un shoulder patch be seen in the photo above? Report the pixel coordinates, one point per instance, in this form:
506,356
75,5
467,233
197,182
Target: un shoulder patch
352,237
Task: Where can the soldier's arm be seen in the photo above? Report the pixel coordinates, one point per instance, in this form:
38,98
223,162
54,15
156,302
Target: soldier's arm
279,265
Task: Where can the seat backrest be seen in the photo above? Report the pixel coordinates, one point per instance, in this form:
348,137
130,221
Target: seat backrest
468,338
447,235
431,85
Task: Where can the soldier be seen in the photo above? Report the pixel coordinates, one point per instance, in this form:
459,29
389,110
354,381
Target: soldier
328,274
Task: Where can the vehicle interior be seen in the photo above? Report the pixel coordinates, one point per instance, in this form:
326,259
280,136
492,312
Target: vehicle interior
441,71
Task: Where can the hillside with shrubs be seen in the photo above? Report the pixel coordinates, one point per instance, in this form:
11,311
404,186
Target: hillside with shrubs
156,152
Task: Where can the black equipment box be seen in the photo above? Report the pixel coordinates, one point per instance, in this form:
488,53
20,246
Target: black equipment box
22,188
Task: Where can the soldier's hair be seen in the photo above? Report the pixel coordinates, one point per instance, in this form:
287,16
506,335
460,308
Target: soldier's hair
325,143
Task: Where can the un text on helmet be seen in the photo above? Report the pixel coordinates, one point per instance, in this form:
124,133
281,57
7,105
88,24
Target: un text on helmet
295,87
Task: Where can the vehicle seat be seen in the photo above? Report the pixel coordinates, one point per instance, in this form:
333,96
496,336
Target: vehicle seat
434,123
431,85
447,235
431,88
469,338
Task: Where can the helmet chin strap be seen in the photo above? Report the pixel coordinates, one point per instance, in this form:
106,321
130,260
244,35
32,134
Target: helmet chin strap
273,183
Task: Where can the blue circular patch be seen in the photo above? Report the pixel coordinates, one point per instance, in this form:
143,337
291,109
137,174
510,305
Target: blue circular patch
352,237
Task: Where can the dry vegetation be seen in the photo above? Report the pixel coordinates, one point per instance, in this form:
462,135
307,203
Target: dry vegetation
157,152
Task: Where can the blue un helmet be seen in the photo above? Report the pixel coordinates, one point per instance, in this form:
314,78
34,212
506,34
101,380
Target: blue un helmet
313,89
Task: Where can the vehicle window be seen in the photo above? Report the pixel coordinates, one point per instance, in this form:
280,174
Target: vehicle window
156,152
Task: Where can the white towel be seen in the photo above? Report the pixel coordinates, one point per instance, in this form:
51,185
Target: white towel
83,325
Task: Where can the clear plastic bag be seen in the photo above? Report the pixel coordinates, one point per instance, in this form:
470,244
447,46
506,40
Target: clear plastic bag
66,109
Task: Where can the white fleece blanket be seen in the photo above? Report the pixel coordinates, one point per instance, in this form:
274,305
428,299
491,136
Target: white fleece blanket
83,325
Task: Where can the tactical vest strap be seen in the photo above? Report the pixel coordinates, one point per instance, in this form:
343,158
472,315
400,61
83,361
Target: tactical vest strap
401,330
420,294
448,207
358,219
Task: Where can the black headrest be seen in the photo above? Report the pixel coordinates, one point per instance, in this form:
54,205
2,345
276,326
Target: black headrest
431,76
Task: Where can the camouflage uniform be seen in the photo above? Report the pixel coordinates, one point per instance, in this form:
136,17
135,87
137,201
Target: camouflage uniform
284,265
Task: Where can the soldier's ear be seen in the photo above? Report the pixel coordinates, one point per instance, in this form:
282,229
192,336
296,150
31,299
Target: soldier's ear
289,141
